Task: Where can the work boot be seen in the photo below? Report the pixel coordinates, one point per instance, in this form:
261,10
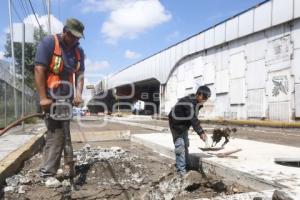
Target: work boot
181,174
43,174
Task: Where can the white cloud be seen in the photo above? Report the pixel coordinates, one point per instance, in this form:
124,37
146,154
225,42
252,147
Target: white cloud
56,24
93,74
131,54
127,18
1,54
93,67
88,6
134,18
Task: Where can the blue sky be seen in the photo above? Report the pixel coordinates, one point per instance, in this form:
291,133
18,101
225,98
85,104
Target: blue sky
119,33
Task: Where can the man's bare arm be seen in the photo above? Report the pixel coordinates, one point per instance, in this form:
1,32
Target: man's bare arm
40,73
40,80
79,88
80,84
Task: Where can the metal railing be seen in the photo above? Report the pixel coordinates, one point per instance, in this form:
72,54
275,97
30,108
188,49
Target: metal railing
8,112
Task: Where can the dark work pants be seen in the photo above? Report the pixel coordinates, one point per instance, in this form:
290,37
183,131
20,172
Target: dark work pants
181,143
54,145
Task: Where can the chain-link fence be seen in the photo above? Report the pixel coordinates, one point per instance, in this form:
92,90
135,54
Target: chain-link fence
8,113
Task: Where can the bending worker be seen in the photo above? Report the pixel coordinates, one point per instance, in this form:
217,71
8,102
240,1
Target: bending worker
59,64
183,115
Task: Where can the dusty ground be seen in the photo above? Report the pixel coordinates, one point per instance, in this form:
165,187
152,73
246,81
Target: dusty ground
117,170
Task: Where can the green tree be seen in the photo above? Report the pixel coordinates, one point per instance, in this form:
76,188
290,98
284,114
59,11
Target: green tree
30,50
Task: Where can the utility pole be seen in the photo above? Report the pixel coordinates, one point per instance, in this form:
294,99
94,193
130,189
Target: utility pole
49,22
13,59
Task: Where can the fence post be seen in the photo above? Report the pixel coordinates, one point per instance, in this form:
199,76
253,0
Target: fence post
5,109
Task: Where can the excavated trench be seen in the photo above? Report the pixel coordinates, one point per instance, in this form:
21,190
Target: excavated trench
116,170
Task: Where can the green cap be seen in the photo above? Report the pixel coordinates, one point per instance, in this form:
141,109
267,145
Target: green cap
75,27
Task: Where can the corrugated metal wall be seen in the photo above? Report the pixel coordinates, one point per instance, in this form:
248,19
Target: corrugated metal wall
256,19
252,77
251,61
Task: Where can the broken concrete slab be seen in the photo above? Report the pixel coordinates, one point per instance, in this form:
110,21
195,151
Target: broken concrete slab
52,182
192,180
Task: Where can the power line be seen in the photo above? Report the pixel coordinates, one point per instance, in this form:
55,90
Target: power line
22,8
45,10
28,11
16,11
34,14
44,6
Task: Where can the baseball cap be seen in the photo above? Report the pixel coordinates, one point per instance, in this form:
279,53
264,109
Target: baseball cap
75,27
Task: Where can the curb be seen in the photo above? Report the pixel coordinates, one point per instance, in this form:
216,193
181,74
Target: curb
12,163
209,167
262,123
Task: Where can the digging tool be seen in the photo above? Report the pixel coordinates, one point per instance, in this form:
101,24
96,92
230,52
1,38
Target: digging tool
62,110
68,155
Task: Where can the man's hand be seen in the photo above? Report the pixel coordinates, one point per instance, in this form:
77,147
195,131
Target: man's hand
45,103
77,100
203,136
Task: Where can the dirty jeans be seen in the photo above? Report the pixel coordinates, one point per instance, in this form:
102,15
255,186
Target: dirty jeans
54,145
182,153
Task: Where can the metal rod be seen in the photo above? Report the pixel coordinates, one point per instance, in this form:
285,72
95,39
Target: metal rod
23,73
13,58
49,22
5,104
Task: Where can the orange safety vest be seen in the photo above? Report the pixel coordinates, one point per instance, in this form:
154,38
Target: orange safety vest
57,65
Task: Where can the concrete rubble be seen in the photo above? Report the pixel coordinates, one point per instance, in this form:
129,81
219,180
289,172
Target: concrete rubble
115,173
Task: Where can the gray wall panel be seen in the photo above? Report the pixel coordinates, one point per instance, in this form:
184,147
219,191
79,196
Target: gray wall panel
220,34
262,16
232,29
209,38
296,8
246,23
282,11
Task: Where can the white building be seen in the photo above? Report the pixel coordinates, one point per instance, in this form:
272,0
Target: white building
251,62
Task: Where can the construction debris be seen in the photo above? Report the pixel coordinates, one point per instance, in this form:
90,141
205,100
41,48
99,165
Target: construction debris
129,172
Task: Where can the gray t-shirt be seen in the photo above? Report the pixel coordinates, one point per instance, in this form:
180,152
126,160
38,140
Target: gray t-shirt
43,57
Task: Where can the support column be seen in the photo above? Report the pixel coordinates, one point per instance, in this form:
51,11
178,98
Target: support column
161,99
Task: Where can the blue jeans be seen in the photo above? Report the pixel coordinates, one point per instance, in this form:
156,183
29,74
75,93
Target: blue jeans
182,152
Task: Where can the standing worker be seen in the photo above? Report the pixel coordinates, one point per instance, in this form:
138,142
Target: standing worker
183,115
59,64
